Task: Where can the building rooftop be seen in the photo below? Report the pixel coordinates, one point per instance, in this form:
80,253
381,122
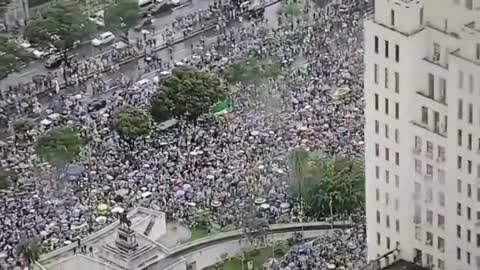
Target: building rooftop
404,265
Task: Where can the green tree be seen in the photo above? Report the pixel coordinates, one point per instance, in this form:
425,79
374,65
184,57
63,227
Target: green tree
188,92
59,146
5,181
12,57
332,186
131,122
253,72
123,14
30,250
63,24
23,125
291,8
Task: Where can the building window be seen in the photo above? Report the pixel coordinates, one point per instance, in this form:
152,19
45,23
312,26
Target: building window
386,48
460,109
397,136
397,158
397,110
418,166
469,213
470,83
387,176
469,141
459,137
388,243
468,258
459,254
377,194
397,82
386,78
379,239
459,186
460,79
377,172
478,240
375,73
436,52
376,44
397,181
378,217
376,102
441,221
441,264
392,17
478,51
441,153
469,4
429,217
429,238
431,85
429,148
469,236
421,16
377,150
459,162
386,106
387,154
397,53
443,91
441,198
387,221
397,225
377,126
441,244
469,192
459,232
459,209
418,143
386,131
470,113
424,115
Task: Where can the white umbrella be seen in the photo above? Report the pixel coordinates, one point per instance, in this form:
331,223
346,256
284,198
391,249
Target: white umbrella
180,193
145,31
186,186
101,220
284,205
118,209
216,203
265,206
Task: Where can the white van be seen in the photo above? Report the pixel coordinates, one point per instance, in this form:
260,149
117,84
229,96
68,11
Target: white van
103,39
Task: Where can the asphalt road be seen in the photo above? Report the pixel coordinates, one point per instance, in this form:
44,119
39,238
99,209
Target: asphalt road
87,50
181,51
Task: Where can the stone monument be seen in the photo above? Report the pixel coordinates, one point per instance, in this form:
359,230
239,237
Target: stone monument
126,241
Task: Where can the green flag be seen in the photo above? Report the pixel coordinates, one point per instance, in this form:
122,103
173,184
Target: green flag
221,107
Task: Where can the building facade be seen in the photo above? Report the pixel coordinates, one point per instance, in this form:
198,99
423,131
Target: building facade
13,14
422,150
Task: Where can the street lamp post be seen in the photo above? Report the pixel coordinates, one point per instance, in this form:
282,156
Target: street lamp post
331,211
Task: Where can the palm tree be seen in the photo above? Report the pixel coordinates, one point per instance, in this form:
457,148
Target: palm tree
29,250
333,186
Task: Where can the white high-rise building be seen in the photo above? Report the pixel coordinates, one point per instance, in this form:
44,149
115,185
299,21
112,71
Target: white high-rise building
422,151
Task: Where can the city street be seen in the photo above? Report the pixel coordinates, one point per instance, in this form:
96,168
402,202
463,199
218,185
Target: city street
181,51
86,50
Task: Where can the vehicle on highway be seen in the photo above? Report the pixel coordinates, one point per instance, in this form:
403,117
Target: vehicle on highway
103,39
55,60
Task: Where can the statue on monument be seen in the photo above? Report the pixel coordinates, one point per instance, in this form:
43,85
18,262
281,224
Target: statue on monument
124,220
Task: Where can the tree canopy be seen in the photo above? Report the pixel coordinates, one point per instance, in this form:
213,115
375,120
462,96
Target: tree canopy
30,250
252,72
122,14
59,146
131,122
336,182
188,92
62,25
12,57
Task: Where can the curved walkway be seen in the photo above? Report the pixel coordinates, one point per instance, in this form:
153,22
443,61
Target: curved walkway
206,251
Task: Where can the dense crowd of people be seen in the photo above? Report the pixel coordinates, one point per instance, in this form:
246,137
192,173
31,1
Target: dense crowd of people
340,250
221,167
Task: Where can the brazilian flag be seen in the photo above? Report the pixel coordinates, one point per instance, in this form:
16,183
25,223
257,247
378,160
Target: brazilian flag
221,108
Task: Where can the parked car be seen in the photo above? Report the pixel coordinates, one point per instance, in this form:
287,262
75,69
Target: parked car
55,60
103,39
